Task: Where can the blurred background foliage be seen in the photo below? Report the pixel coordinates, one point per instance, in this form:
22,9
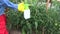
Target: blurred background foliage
40,21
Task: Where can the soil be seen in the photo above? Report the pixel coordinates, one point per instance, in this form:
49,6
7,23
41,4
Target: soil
15,32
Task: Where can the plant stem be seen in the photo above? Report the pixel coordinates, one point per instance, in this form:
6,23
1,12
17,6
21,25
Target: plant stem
47,4
43,30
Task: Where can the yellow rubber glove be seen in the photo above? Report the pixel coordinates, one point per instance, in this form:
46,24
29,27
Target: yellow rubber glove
21,7
24,8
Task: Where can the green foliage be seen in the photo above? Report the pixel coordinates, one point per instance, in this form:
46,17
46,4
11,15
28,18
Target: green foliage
40,21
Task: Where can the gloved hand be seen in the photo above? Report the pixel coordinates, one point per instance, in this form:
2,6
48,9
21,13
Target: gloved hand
22,7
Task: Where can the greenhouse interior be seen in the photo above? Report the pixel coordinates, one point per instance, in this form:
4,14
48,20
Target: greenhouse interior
42,17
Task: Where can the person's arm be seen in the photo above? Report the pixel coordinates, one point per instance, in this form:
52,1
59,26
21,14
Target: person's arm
19,7
9,4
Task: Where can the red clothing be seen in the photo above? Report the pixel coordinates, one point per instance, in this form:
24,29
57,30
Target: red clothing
3,29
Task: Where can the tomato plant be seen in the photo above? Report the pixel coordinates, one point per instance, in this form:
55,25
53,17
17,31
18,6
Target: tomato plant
40,21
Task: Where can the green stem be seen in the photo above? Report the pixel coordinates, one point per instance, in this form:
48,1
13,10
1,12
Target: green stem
25,1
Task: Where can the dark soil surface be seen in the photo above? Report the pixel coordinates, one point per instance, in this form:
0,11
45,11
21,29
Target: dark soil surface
15,32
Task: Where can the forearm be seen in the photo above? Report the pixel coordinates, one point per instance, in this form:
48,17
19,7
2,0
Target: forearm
9,4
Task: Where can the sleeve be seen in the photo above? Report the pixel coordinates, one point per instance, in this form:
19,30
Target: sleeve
9,4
